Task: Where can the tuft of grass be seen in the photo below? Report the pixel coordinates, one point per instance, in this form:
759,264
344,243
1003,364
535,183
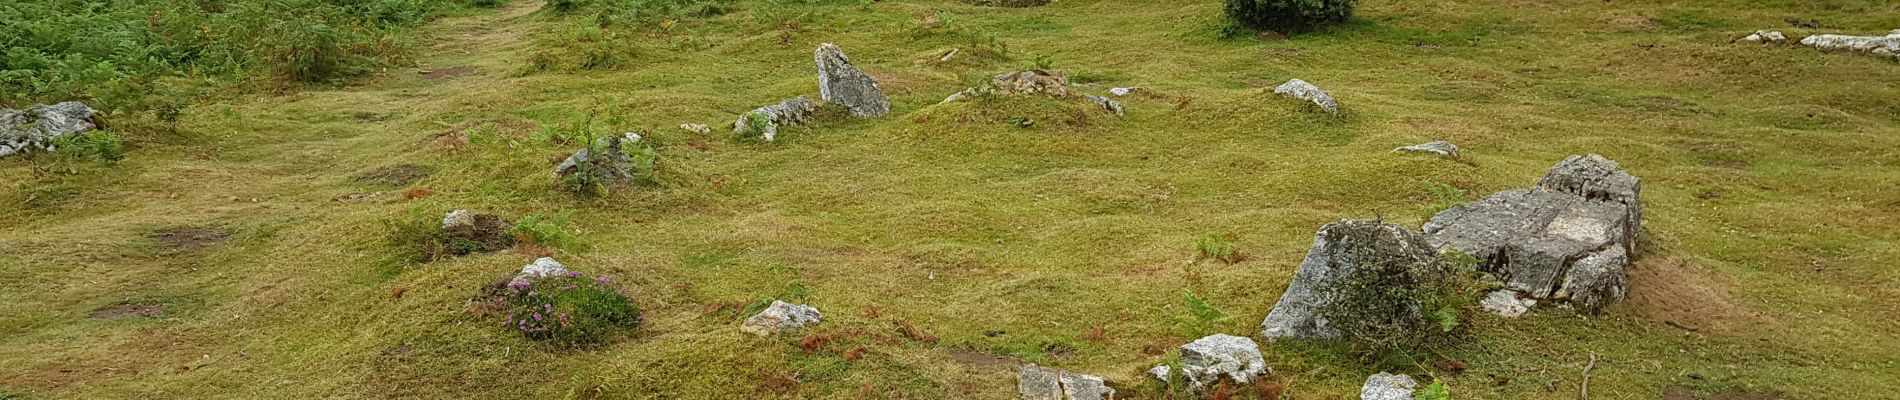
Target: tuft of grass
1219,248
539,230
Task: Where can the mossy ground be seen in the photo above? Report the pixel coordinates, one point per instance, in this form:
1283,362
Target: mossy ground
1768,174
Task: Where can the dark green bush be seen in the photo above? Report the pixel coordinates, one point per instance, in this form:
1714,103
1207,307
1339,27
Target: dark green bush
1288,16
569,309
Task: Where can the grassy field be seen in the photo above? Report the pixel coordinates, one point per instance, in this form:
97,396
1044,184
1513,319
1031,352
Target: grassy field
1769,171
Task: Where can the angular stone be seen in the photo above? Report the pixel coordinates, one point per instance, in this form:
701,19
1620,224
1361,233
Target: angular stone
612,166
541,267
1440,147
1034,382
1337,250
1506,303
1569,238
781,317
1384,386
458,218
35,127
1085,387
1766,37
843,84
1207,360
770,118
1299,89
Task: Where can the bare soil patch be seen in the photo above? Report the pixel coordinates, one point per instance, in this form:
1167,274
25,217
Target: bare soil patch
446,73
191,238
395,175
128,310
1681,293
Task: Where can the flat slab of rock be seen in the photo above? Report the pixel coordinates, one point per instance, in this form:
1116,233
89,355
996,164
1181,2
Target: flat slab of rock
1766,37
843,84
1302,90
1384,386
766,121
1034,382
1438,147
1338,249
781,317
1208,360
1569,238
1886,46
34,128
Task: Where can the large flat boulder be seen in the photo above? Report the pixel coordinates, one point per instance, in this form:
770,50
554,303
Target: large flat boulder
1338,249
1569,238
34,128
766,121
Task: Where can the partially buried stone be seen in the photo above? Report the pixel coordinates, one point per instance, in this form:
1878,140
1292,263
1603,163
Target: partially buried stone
1439,147
35,127
1208,360
1113,107
1302,90
1034,382
781,317
766,121
1384,386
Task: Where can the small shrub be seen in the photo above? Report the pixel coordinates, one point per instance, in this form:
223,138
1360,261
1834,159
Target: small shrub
1201,315
424,240
1288,16
100,146
1218,248
1435,391
569,309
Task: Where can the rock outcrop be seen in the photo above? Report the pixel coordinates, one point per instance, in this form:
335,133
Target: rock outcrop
541,267
1338,249
468,232
781,317
1302,90
766,121
1384,386
1037,383
1506,303
611,167
1569,238
1050,83
1439,147
843,84
1208,360
35,127
1885,46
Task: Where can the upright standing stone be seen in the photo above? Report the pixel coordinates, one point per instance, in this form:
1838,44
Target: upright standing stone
843,84
1338,250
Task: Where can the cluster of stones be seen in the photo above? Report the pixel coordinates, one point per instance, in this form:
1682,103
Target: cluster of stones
839,83
1886,45
34,128
1045,82
1037,383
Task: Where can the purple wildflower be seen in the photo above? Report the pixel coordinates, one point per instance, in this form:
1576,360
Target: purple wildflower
537,317
574,274
548,307
518,284
601,279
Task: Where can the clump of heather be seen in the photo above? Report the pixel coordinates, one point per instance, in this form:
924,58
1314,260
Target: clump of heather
569,309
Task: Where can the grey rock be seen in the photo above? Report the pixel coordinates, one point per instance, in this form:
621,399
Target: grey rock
1299,89
1034,382
35,127
1506,303
1035,81
1113,107
781,317
612,166
1384,386
1766,37
1582,218
458,218
843,84
1161,372
1207,360
541,267
1122,91
1338,249
1886,46
696,128
1439,147
770,118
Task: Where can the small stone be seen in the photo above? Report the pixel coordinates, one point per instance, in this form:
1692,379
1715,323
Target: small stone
1766,37
458,218
696,128
1384,386
1122,91
1161,372
1299,89
1111,106
541,267
781,317
843,84
1440,147
632,137
1206,361
1505,302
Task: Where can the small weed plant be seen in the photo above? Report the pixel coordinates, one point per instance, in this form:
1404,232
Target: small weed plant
540,230
1218,248
1202,315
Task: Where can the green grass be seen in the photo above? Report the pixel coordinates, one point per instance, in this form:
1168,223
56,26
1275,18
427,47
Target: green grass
1767,170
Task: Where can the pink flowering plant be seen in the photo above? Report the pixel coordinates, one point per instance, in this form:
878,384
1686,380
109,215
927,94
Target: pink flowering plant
569,309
